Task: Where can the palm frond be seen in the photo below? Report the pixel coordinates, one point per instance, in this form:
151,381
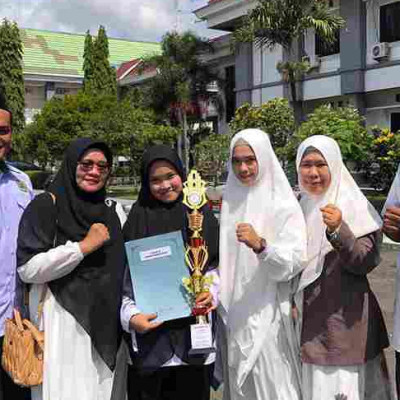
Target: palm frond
280,22
324,21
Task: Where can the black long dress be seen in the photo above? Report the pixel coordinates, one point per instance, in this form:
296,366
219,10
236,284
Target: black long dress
147,378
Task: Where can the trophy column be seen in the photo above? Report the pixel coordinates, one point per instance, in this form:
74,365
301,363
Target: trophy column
194,197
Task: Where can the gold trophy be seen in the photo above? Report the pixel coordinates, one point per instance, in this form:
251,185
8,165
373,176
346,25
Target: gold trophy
196,256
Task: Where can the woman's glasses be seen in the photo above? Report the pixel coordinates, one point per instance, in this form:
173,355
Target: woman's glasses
88,165
5,130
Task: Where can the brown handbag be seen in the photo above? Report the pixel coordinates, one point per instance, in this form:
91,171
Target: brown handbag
23,344
23,349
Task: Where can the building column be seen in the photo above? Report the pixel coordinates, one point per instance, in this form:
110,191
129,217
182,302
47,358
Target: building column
353,43
244,73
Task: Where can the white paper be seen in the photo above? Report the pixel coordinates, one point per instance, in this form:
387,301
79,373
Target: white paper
201,336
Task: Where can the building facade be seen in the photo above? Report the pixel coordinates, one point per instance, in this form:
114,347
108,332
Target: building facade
52,63
362,68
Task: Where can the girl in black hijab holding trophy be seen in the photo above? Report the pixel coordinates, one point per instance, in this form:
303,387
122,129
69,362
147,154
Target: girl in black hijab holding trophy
162,366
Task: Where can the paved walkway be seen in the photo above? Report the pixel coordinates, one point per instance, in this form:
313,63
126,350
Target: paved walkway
382,280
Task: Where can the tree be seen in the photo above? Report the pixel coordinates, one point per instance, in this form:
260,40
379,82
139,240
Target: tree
284,23
344,124
211,156
179,90
11,75
99,76
274,117
126,128
87,61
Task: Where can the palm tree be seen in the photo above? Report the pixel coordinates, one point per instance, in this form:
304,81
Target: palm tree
284,23
180,87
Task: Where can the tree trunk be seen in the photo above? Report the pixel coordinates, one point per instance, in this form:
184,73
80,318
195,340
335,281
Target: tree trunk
180,137
296,104
183,148
185,142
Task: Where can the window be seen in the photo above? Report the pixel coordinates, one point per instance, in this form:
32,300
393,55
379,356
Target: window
230,95
61,91
395,122
390,22
323,49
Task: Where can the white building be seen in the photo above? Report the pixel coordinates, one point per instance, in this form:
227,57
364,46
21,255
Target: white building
362,69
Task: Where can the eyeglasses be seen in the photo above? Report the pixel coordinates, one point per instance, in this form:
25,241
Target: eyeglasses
5,130
88,165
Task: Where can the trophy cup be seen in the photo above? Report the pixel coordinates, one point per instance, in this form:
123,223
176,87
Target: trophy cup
196,256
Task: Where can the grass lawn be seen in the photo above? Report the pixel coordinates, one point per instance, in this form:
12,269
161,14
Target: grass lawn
123,192
377,200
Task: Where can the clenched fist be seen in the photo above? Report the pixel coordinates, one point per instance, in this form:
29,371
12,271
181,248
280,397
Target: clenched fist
332,217
96,237
246,234
391,223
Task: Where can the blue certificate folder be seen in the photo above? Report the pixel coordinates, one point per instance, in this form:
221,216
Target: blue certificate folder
157,266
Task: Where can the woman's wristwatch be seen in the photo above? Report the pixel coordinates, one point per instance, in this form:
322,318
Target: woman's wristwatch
263,245
333,237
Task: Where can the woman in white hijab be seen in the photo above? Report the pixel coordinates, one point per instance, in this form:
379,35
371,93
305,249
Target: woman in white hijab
391,227
262,246
343,332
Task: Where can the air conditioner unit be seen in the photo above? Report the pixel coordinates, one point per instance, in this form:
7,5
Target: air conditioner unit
380,51
314,60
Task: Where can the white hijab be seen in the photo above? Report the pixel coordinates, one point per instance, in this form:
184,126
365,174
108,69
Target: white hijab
344,193
393,198
248,297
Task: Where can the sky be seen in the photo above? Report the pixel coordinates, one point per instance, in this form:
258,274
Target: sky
141,20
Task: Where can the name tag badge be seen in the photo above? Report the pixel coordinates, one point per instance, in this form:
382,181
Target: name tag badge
160,252
201,338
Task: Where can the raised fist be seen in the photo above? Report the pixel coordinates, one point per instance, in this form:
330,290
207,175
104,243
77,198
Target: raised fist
96,237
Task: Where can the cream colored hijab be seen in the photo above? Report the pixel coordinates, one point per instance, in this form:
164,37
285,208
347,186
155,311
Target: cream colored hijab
248,294
343,192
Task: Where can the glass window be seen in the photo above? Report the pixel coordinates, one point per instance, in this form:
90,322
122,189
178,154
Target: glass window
323,49
395,122
390,22
230,95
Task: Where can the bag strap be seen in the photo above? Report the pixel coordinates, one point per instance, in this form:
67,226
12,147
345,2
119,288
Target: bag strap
44,290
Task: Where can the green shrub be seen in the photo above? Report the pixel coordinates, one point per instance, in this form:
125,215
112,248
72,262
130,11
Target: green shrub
211,156
344,124
274,117
39,178
384,158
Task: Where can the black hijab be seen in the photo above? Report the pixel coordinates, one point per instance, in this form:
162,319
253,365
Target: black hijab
150,217
92,291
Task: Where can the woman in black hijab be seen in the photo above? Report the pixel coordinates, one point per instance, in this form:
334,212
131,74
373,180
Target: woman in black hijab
70,242
162,367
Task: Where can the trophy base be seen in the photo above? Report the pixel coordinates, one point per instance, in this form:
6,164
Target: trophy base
205,351
199,311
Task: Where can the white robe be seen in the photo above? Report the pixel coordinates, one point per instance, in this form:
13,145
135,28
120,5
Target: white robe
393,200
72,367
261,359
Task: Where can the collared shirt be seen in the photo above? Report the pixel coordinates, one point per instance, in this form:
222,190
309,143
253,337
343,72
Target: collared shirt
15,194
